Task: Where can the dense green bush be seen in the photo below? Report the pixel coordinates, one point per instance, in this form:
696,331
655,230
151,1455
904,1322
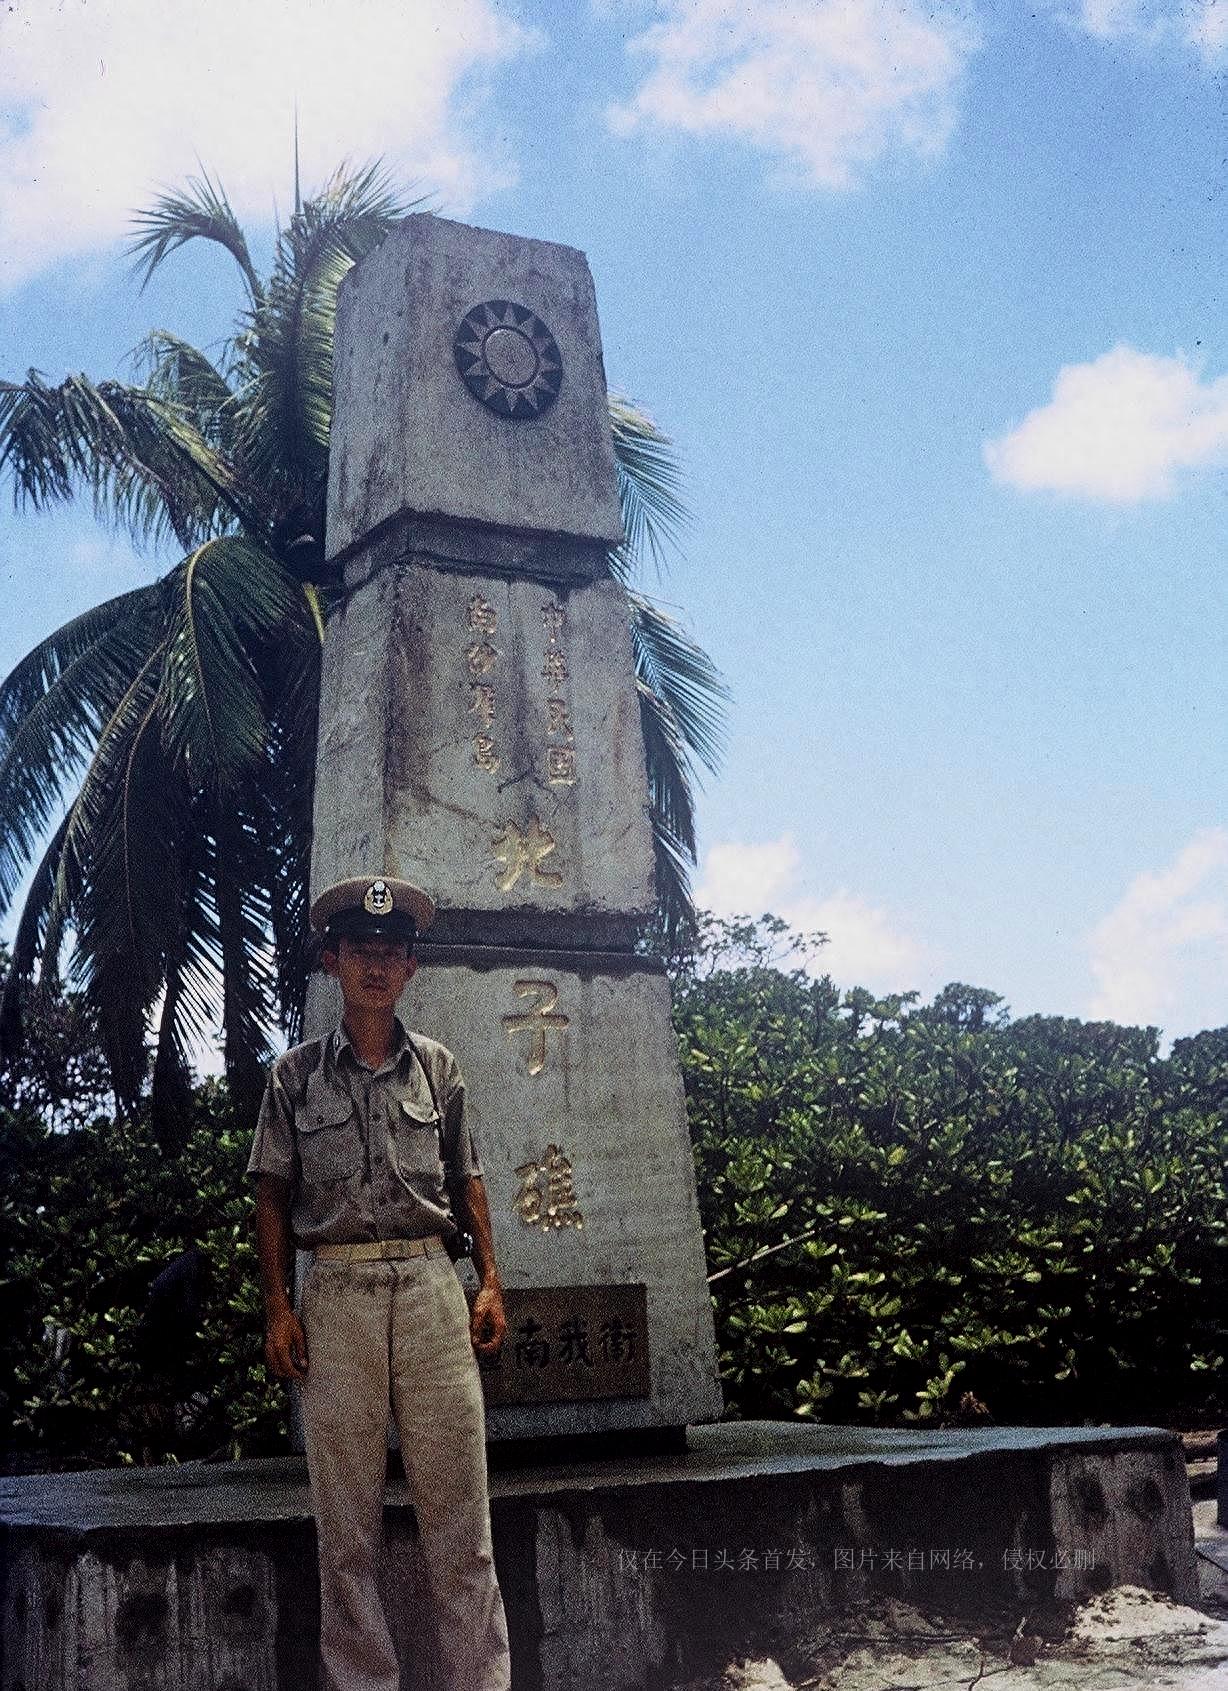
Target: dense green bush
91,1214
907,1207
906,1204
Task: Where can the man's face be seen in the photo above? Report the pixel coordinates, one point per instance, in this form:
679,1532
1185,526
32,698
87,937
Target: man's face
372,972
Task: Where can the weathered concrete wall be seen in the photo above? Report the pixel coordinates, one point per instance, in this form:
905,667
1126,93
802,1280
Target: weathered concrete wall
1121,1508
202,1578
200,1616
349,824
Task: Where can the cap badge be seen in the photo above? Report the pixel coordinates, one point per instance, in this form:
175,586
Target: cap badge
378,900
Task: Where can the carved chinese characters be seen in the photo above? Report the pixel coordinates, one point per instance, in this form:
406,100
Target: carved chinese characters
547,1195
520,847
560,743
537,1022
571,1344
521,852
481,658
515,775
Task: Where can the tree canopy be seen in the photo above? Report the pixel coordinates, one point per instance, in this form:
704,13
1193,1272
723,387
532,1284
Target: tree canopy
907,1205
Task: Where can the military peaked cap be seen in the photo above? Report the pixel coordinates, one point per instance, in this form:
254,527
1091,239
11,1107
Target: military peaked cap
370,906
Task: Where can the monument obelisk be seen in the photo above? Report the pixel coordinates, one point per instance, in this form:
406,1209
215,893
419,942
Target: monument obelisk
480,735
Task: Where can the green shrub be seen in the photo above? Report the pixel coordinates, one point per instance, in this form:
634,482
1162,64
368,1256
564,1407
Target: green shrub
905,1204
91,1214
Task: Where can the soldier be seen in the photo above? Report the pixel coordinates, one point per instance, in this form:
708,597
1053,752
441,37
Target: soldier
363,1156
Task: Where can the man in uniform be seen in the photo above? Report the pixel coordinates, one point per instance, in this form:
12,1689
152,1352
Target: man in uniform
363,1156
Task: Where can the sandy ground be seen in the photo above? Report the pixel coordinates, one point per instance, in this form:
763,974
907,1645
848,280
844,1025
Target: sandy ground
1126,1640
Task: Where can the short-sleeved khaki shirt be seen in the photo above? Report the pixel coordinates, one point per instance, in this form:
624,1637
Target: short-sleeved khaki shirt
369,1153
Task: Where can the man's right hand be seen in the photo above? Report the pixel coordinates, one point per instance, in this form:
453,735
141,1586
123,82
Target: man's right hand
285,1346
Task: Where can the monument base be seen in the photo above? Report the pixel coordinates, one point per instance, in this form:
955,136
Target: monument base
617,1574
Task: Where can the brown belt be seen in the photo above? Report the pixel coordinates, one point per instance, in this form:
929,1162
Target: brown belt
383,1250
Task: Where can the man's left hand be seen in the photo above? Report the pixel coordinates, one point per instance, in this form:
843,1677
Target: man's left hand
487,1322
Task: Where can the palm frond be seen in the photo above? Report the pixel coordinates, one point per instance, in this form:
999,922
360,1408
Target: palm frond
671,809
119,984
672,862
28,944
671,800
248,971
180,374
285,819
43,749
199,211
681,673
29,679
228,599
146,463
359,204
194,971
288,401
122,1025
130,896
100,793
311,593
683,698
191,1006
649,478
170,1087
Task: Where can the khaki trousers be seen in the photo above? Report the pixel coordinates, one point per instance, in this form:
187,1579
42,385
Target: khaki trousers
397,1332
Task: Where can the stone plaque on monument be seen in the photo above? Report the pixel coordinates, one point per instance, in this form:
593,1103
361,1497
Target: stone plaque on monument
567,1343
480,735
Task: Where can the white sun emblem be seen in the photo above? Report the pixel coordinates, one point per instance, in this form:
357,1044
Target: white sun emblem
508,359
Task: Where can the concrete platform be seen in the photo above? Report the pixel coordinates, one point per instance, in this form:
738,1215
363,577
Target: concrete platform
618,1575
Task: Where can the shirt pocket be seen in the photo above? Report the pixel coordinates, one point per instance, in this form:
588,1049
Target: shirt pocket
415,1140
326,1124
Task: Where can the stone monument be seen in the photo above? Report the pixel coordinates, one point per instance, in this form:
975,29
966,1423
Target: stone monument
480,735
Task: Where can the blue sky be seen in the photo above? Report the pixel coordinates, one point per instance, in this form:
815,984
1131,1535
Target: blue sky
931,299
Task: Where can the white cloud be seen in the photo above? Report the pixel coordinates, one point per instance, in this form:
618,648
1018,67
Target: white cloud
740,880
1160,956
1200,24
1207,30
104,101
1118,429
866,945
829,87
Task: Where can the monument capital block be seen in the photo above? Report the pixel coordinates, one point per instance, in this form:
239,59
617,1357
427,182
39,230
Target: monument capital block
468,371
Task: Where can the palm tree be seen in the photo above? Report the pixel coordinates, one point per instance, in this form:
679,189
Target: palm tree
157,753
